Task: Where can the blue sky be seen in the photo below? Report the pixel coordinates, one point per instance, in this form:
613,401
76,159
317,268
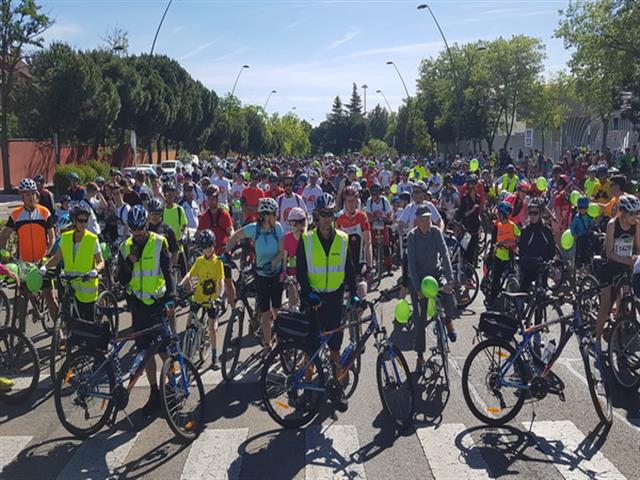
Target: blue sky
308,51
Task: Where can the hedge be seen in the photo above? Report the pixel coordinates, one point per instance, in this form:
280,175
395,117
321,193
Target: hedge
87,172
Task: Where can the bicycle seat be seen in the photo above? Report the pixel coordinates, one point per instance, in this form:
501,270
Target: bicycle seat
516,295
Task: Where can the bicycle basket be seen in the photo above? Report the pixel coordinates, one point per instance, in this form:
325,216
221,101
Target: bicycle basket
89,334
498,325
292,326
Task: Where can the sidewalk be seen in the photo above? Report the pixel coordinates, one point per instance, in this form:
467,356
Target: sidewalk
7,203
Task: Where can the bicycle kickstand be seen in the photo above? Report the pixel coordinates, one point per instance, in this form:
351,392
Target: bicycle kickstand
533,416
126,415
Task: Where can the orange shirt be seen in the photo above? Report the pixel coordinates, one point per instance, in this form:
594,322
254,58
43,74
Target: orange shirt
31,228
252,196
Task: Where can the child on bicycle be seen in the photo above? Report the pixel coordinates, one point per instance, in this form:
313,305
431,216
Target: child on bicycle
209,271
582,227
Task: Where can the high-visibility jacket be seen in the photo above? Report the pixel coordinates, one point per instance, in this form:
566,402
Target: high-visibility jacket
147,281
176,218
509,184
81,263
326,273
506,232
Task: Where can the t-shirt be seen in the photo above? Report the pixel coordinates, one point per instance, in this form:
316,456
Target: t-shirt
310,194
408,215
236,190
266,246
31,227
385,178
378,210
219,222
354,226
209,273
122,213
93,225
291,246
285,204
192,211
224,187
252,196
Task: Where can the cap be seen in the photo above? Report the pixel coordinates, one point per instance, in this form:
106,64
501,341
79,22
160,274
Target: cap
423,211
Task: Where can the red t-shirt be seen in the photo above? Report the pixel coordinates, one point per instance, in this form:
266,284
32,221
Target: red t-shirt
354,225
252,196
219,223
274,192
479,191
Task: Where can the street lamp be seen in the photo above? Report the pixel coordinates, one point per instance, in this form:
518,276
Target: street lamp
364,87
385,99
268,98
401,79
235,84
153,46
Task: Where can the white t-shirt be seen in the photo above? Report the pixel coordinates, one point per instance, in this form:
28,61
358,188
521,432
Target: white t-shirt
435,184
405,187
236,190
385,178
60,212
192,211
310,194
122,212
408,215
224,186
93,225
285,205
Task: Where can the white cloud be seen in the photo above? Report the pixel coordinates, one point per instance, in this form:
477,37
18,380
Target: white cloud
196,51
230,54
179,28
295,23
409,49
63,31
347,37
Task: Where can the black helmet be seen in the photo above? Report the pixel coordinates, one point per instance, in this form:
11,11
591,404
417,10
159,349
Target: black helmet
155,206
80,209
206,238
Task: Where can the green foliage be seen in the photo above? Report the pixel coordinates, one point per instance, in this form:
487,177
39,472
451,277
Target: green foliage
86,172
102,169
378,148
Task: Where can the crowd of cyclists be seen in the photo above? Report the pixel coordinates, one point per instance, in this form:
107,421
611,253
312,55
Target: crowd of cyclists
318,232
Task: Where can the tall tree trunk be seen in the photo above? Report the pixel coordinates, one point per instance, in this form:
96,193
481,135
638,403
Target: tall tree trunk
159,147
605,131
4,130
166,149
149,152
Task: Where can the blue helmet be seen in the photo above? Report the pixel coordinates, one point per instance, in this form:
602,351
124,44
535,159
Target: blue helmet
326,201
64,222
583,202
137,217
505,208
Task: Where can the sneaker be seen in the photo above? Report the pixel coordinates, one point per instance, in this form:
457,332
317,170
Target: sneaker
341,404
214,364
153,403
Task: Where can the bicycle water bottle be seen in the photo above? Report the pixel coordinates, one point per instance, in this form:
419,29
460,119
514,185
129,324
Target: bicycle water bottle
137,361
346,354
549,350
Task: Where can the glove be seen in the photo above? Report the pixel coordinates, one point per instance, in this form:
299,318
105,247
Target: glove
43,270
314,299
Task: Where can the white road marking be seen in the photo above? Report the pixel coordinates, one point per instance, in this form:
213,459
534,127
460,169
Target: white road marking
10,447
214,455
446,461
330,453
561,442
100,456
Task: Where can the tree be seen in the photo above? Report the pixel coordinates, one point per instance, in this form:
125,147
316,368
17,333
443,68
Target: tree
116,41
354,107
378,148
378,120
21,27
337,133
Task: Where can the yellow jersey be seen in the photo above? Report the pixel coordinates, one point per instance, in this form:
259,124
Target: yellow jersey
209,273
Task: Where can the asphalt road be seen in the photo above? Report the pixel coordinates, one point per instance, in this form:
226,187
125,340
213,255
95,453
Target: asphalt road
550,439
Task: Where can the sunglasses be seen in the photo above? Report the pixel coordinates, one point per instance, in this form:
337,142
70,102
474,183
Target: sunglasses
534,212
324,213
287,185
82,220
138,229
296,222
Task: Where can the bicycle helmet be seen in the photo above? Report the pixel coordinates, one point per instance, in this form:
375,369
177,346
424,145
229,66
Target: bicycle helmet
39,179
326,201
505,208
169,186
536,203
296,214
64,222
65,198
583,202
629,203
206,238
100,180
376,188
303,178
137,218
395,199
27,185
273,177
350,192
602,171
80,209
406,196
267,205
73,176
352,168
155,206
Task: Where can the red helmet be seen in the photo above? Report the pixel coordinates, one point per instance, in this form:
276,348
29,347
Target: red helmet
524,187
350,192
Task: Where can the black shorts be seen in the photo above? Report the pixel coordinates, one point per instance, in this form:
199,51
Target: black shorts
269,292
330,316
145,316
404,278
610,270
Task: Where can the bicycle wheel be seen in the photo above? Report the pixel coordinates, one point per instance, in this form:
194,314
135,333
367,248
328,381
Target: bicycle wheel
624,353
59,351
599,389
107,310
84,375
539,314
443,347
5,309
292,402
40,311
482,382
355,332
232,344
589,304
466,285
395,385
19,363
203,340
182,395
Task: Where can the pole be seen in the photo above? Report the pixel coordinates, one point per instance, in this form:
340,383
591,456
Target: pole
401,79
235,84
153,46
385,99
364,87
268,98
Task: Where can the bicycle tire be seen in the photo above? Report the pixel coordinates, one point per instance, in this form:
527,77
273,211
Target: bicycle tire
232,344
355,333
350,384
386,384
57,356
17,351
68,373
537,345
40,311
601,400
443,347
291,356
5,309
173,412
106,309
469,276
518,368
624,338
203,342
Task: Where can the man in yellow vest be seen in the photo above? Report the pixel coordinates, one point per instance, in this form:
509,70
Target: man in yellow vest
81,255
509,181
324,269
145,268
175,216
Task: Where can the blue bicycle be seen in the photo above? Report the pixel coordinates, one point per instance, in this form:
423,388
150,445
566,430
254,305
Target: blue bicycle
298,376
90,388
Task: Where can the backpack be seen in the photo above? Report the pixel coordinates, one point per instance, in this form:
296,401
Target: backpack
281,199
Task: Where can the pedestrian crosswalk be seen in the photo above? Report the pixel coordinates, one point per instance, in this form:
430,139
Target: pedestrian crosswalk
449,451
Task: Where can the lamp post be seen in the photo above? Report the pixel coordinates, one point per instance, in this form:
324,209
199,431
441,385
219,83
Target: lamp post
385,99
364,87
268,98
401,79
235,84
153,45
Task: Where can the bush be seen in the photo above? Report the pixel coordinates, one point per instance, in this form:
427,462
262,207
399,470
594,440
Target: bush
87,172
378,148
103,169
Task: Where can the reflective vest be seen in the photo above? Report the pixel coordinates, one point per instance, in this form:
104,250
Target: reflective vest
147,282
509,186
326,274
590,185
81,263
173,217
506,232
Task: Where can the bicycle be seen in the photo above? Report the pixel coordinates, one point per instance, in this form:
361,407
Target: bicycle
377,244
466,282
294,379
196,340
20,363
90,391
441,336
512,375
23,298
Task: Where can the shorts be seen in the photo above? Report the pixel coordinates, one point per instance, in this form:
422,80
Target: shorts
145,316
610,270
404,278
269,292
329,317
87,311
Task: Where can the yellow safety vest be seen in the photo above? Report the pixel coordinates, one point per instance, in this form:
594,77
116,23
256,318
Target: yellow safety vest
82,263
326,274
173,217
147,281
510,187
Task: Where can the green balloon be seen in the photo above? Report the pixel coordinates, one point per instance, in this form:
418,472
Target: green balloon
237,204
394,188
106,252
12,267
593,210
34,280
429,287
403,311
431,307
567,240
474,164
542,184
575,195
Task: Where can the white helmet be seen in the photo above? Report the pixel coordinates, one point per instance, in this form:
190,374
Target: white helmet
629,203
267,205
27,185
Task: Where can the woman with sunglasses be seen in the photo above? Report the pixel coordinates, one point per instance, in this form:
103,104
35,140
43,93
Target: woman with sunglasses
298,223
268,240
535,244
